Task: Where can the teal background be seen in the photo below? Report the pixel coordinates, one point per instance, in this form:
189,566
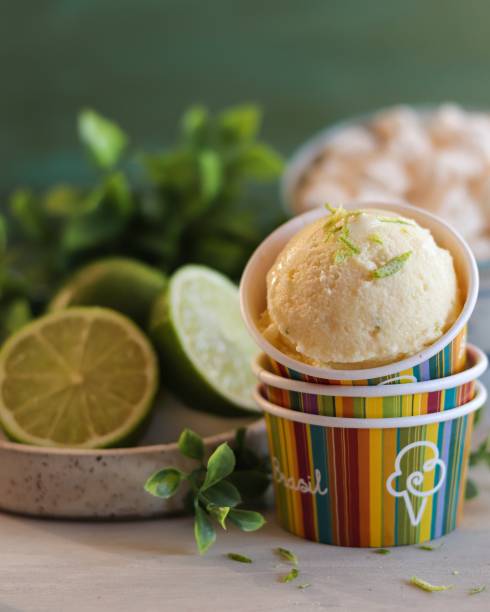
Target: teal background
142,61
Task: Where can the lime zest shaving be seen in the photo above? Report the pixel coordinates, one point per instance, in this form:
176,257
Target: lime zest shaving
239,558
477,589
306,585
392,266
375,238
350,245
286,555
395,220
430,546
341,255
381,551
292,575
427,586
455,573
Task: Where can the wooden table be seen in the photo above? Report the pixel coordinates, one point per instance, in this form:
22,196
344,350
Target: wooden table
51,566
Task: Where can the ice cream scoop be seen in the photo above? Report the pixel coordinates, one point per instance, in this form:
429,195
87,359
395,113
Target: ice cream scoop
360,288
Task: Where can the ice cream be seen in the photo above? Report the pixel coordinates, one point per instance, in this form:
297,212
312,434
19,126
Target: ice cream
359,288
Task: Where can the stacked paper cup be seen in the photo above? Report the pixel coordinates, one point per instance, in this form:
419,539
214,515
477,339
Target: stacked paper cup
373,457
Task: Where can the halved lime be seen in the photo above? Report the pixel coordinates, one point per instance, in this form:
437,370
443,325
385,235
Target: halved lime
205,349
126,285
81,377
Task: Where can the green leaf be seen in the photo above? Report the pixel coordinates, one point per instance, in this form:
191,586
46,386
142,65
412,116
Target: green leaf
381,551
204,531
259,162
104,139
426,586
252,484
286,555
240,123
429,547
191,445
63,201
220,465
246,520
292,575
392,266
193,123
211,174
471,489
223,493
219,512
164,483
239,558
15,315
25,209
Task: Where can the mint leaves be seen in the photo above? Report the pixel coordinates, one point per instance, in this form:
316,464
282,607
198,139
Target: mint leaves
201,199
213,497
104,140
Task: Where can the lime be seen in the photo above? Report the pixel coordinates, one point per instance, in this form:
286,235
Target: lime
81,377
205,350
125,285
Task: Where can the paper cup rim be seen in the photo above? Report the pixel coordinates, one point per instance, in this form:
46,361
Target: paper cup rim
270,379
304,219
381,423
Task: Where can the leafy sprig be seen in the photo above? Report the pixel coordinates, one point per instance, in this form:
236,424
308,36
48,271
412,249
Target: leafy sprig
194,201
213,496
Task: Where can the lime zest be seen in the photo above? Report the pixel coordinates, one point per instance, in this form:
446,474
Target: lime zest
239,558
430,547
375,238
427,586
306,585
395,220
477,589
392,266
381,551
350,245
286,555
292,575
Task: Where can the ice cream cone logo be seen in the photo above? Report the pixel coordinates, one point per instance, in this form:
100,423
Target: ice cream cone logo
414,485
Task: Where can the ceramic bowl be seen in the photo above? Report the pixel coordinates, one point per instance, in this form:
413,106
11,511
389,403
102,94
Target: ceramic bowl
108,484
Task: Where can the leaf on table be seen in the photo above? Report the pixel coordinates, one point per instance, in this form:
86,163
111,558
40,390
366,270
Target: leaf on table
292,575
239,558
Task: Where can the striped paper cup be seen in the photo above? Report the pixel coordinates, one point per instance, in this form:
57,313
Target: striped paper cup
370,482
383,401
444,357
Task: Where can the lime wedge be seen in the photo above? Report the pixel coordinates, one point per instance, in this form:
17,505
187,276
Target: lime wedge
205,350
81,377
125,285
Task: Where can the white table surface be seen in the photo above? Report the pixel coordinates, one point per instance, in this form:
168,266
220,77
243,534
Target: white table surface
51,566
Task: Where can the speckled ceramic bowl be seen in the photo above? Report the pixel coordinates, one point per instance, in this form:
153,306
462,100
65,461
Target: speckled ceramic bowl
108,484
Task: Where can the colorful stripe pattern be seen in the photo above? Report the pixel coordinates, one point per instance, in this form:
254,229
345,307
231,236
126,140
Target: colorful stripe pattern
451,360
371,407
369,487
